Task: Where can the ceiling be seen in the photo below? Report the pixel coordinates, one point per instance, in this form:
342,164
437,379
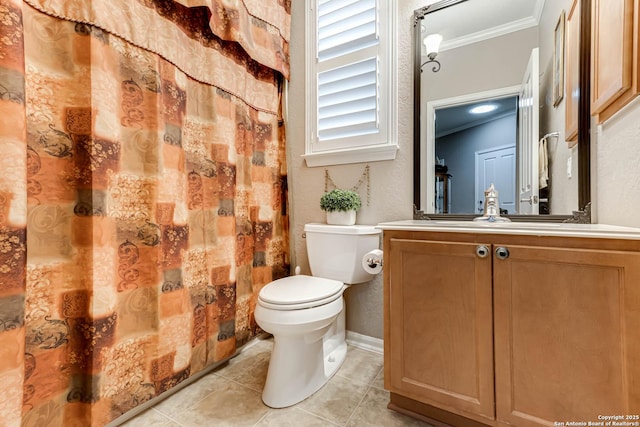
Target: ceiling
475,20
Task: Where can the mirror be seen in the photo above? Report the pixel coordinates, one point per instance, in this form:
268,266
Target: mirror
487,55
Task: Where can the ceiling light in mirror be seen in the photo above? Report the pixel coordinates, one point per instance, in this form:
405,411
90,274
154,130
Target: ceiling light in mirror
484,108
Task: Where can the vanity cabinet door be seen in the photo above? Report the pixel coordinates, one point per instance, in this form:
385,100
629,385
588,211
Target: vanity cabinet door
566,335
438,325
614,51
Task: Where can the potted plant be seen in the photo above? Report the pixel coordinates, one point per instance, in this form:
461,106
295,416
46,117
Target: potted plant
341,206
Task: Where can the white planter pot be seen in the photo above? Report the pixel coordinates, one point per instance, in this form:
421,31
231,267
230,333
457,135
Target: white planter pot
341,217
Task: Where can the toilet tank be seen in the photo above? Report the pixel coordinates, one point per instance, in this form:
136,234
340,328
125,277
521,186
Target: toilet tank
336,251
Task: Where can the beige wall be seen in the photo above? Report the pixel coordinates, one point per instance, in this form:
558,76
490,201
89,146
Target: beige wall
564,189
486,65
391,181
615,147
615,176
615,179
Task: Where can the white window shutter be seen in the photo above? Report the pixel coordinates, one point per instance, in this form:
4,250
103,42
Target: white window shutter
349,78
345,26
348,100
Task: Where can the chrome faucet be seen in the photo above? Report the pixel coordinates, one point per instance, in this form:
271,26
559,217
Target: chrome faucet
491,207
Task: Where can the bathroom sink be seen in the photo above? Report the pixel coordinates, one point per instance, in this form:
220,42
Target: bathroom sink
528,228
470,224
511,225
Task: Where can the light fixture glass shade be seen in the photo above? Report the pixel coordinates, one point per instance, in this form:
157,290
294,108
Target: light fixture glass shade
432,43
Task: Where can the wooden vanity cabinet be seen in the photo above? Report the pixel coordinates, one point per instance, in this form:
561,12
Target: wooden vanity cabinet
615,55
549,333
440,324
566,331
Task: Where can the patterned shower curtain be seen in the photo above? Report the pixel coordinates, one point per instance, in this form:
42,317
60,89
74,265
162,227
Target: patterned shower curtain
142,196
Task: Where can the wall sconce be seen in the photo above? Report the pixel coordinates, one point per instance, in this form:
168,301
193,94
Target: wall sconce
432,43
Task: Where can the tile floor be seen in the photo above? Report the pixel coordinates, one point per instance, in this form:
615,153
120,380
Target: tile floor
230,396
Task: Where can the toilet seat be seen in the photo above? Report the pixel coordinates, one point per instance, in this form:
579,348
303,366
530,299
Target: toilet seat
299,292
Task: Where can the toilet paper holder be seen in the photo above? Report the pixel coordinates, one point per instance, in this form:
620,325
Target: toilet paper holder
373,262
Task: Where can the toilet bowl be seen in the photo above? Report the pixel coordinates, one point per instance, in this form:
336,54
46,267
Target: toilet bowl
299,363
306,316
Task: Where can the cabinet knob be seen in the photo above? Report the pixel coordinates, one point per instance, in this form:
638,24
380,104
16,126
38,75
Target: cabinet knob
502,253
482,251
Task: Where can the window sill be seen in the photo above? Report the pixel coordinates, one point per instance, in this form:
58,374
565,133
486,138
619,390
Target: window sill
354,155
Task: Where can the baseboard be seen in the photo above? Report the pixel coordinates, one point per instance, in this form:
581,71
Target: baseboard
365,342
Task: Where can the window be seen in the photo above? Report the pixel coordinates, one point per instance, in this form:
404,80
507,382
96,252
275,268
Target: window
349,76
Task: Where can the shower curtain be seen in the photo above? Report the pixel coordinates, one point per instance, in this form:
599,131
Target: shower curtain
142,196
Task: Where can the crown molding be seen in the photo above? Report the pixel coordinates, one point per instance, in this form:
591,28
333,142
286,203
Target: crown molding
489,33
511,27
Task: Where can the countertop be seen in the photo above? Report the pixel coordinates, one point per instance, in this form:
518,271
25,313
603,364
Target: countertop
520,228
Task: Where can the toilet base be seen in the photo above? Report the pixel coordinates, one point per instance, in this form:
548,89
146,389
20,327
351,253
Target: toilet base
301,365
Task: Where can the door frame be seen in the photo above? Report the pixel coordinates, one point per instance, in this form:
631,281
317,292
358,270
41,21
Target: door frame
528,129
428,156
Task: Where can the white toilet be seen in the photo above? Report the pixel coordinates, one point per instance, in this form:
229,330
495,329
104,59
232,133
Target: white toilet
306,314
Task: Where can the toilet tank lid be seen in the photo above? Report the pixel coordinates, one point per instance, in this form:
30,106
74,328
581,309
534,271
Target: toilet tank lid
342,229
